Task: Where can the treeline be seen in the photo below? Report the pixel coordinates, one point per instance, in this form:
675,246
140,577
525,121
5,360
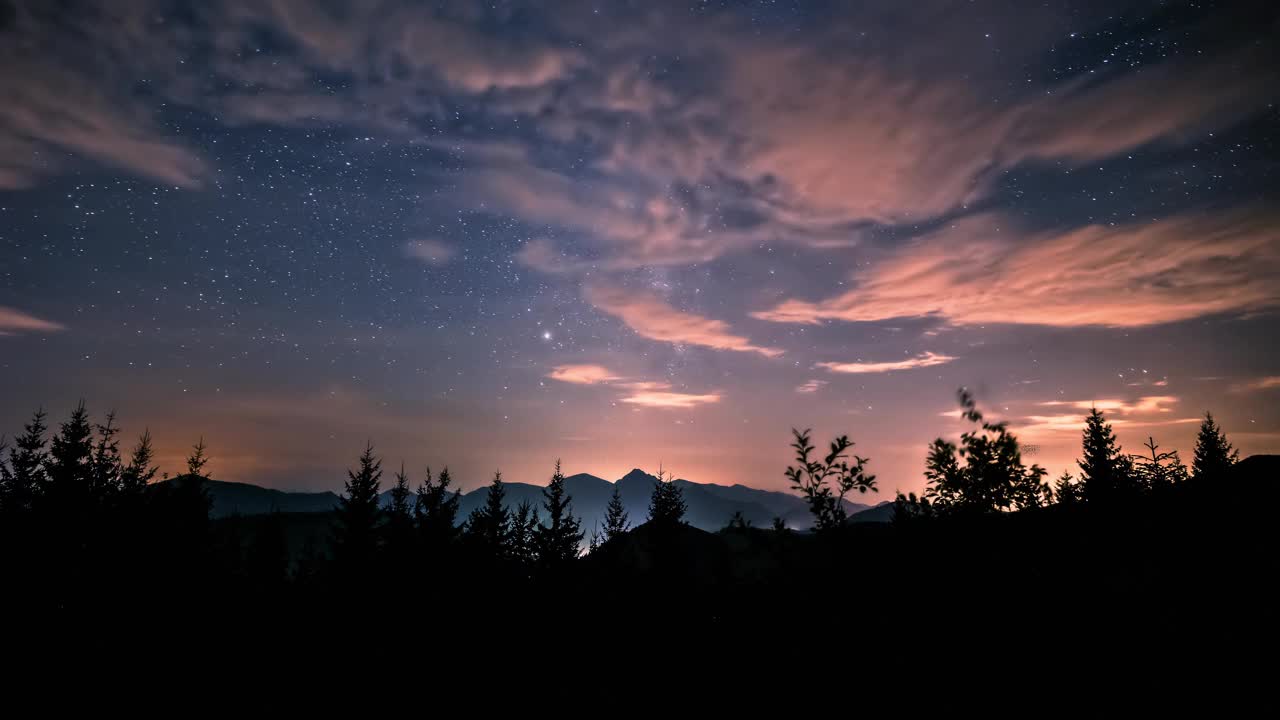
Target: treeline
81,517
985,472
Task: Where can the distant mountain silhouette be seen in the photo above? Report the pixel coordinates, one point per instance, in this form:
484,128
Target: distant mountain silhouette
710,506
233,498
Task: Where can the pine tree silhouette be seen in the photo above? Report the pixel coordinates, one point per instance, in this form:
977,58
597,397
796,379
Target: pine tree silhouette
666,504
824,483
1158,470
139,472
490,524
1214,455
524,524
107,467
1066,491
197,460
559,538
400,522
70,465
27,459
1105,472
615,517
357,521
436,512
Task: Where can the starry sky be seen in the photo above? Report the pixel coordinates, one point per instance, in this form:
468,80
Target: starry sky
637,233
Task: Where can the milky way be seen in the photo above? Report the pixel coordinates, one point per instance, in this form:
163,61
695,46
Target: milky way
626,234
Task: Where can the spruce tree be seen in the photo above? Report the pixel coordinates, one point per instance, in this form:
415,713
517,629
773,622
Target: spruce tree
666,504
1158,470
489,525
1105,472
27,465
559,538
615,517
399,515
139,472
355,541
70,464
436,512
107,467
1066,491
398,507
198,459
1214,455
524,524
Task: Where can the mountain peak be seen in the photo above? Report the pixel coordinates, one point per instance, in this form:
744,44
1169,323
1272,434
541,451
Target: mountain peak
637,475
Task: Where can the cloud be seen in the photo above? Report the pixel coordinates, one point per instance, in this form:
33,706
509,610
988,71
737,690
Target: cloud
670,400
1141,406
651,317
811,386
1269,382
982,270
1145,411
644,393
432,252
926,359
15,321
582,374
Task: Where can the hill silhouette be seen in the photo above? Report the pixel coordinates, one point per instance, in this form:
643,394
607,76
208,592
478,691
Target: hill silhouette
711,506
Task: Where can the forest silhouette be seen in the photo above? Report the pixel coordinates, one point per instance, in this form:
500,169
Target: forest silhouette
1135,550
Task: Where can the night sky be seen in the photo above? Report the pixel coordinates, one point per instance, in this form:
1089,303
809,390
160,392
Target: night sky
626,234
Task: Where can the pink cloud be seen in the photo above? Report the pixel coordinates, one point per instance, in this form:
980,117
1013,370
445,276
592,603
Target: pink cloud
582,374
670,400
1143,405
651,317
926,359
643,393
978,271
48,107
14,321
1270,382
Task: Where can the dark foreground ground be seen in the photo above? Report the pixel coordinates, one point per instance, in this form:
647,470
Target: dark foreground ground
1175,581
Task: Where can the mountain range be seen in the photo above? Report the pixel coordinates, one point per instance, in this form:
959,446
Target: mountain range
710,506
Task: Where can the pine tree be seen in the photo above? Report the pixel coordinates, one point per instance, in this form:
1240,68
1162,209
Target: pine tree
1066,491
398,507
197,460
666,504
139,472
490,524
27,475
70,464
824,483
524,526
436,512
192,492
357,522
399,515
559,538
1105,472
107,467
615,517
991,479
1158,470
1214,455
